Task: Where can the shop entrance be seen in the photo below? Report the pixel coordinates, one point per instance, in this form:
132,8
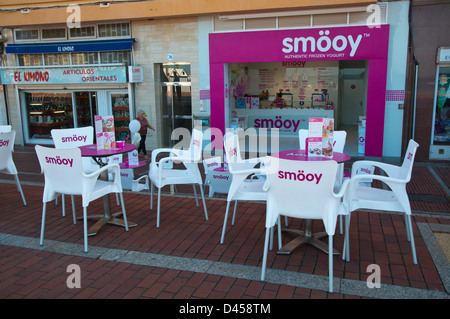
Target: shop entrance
176,101
177,109
86,108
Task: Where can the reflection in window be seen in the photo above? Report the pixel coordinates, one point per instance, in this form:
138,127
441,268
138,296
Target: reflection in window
115,57
176,72
57,59
30,59
442,119
85,58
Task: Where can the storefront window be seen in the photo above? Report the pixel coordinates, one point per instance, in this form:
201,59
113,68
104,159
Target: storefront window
115,57
113,30
442,119
85,58
47,111
57,59
30,59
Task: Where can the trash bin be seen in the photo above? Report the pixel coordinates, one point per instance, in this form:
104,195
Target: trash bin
361,136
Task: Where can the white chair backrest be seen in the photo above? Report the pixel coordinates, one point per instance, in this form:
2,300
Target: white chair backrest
63,170
195,148
301,189
211,163
408,161
302,136
6,149
232,148
73,137
5,128
339,138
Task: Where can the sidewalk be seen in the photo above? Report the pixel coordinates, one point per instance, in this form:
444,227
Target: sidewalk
183,259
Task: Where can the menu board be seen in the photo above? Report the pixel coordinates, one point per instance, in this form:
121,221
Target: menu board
104,132
320,137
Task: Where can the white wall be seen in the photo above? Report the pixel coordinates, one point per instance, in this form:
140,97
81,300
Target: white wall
396,76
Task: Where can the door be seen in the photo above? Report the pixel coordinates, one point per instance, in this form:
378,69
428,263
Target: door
86,108
177,109
352,101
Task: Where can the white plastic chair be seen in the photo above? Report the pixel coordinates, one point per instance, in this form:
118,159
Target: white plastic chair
63,171
71,138
209,165
391,199
5,128
241,187
300,196
75,137
7,165
161,176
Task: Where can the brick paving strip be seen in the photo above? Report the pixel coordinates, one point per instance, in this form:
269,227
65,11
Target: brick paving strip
281,277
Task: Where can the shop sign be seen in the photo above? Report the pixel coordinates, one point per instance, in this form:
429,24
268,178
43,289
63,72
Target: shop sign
73,75
443,55
287,125
135,74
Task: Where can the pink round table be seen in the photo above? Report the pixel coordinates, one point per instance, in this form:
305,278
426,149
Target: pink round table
107,217
307,236
300,155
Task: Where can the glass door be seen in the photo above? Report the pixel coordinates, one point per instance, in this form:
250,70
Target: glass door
176,99
86,105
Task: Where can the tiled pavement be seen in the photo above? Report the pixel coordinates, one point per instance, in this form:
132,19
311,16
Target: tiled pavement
184,260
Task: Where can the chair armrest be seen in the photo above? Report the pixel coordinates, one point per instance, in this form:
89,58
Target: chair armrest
391,170
157,151
343,189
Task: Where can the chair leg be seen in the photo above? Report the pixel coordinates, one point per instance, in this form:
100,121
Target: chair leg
411,235
151,195
73,210
330,262
85,229
123,210
346,248
19,188
159,206
63,205
204,203
44,207
234,213
225,223
117,200
195,194
264,262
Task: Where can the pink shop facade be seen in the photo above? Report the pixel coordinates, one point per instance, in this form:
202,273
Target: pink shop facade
332,63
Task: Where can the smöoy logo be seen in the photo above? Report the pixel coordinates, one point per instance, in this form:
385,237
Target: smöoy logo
74,138
324,43
4,143
300,176
59,161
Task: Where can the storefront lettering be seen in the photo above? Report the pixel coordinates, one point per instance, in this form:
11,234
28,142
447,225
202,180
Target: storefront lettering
323,44
100,78
78,71
277,123
30,76
66,49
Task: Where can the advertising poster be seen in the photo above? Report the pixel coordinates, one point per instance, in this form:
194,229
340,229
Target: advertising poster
320,137
104,132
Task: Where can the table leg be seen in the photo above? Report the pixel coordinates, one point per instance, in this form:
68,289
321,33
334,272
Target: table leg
305,237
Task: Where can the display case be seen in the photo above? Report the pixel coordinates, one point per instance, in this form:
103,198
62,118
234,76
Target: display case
121,113
47,111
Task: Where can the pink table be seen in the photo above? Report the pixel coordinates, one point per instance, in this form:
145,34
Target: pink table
107,217
307,237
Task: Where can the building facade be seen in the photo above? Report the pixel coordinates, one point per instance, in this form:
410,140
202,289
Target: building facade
205,62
